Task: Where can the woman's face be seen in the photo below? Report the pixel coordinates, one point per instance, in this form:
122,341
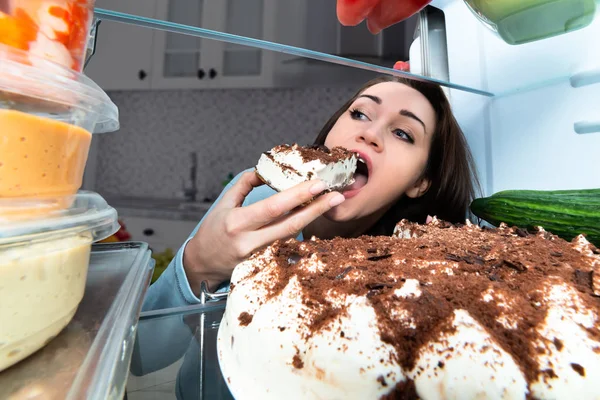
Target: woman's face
390,125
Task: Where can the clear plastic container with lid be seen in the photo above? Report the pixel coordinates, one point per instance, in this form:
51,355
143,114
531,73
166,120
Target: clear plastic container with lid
54,29
524,21
47,116
43,270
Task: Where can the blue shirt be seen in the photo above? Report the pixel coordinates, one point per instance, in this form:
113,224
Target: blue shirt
172,289
162,341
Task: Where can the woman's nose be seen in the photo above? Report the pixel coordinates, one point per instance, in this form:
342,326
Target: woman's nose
371,137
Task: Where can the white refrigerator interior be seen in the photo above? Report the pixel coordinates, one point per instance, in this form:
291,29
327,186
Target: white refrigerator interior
541,129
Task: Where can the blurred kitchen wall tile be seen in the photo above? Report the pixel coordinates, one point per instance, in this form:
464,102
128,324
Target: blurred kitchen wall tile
149,155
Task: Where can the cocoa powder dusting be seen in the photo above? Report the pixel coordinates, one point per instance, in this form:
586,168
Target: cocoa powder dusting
297,361
316,152
405,390
468,263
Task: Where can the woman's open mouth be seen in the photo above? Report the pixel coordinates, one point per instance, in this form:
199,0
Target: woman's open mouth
361,177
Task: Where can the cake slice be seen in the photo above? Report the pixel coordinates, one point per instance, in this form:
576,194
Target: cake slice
285,166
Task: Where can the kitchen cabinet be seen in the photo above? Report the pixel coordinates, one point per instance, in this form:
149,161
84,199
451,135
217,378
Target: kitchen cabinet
160,234
123,58
187,62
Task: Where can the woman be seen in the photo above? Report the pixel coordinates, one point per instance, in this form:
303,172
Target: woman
418,164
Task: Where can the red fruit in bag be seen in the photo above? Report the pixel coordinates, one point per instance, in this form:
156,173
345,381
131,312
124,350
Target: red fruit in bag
390,12
379,13
353,12
402,66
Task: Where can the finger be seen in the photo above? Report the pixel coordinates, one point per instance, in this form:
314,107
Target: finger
428,219
293,223
264,212
237,193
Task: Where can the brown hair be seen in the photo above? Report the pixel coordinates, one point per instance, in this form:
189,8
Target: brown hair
450,167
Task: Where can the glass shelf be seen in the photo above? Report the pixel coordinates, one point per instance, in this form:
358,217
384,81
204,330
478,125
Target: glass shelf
168,26
175,354
479,62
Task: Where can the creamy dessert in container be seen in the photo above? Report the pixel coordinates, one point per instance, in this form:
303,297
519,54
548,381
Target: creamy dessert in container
439,311
43,270
56,30
46,125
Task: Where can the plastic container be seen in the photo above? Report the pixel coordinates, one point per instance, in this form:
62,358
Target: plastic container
523,21
47,116
56,30
43,271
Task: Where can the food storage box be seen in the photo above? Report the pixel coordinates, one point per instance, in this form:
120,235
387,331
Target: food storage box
43,271
524,21
90,358
56,30
47,116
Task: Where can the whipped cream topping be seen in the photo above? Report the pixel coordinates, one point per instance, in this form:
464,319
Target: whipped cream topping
439,311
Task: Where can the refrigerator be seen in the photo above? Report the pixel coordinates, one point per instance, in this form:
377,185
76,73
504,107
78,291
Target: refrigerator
530,113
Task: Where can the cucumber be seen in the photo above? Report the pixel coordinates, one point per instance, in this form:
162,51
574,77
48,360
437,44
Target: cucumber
565,213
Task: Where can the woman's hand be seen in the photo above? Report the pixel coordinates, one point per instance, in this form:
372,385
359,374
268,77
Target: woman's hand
230,233
379,13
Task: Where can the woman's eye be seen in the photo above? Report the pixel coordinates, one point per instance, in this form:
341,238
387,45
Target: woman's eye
403,135
358,115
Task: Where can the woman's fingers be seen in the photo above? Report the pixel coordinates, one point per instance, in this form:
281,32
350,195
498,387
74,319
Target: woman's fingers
293,223
264,212
235,196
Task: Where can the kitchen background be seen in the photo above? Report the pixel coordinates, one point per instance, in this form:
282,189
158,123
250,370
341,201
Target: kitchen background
228,129
195,112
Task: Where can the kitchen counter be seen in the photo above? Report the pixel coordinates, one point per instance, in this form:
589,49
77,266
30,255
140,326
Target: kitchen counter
172,209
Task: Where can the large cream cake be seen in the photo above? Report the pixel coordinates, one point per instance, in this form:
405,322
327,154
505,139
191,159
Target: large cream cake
436,312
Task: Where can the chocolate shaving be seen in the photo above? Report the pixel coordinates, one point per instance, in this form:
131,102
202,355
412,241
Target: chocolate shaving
294,258
245,318
377,286
558,343
377,258
521,232
381,380
515,265
453,257
297,361
344,273
578,368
